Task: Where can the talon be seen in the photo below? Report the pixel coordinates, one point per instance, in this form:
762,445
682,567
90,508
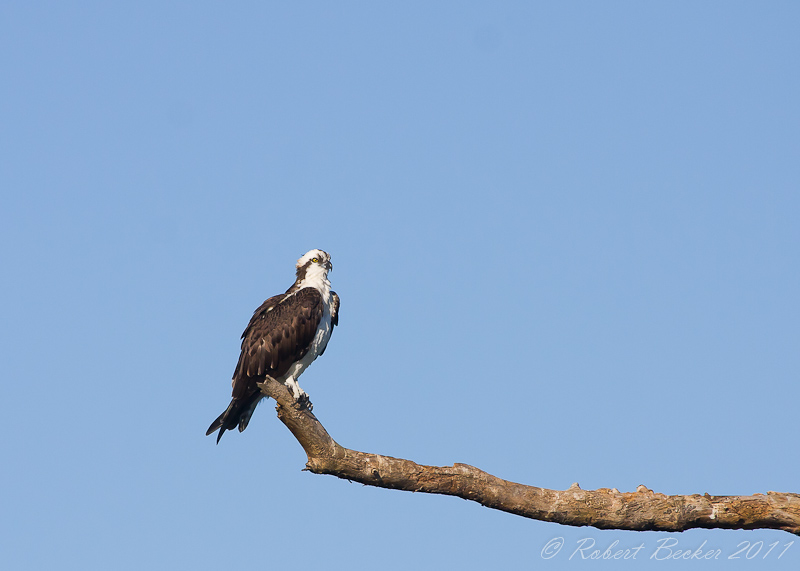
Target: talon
303,402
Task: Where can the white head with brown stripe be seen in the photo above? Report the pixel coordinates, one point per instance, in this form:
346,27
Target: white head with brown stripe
312,271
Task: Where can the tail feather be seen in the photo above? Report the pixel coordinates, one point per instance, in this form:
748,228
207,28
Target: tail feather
237,414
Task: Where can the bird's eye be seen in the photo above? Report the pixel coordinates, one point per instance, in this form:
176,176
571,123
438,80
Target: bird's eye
314,260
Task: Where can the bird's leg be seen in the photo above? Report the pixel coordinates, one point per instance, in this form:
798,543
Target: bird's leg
300,396
297,392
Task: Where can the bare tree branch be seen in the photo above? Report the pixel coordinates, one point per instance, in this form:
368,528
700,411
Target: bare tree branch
604,508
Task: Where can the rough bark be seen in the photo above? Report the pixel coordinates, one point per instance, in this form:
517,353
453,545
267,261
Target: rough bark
604,508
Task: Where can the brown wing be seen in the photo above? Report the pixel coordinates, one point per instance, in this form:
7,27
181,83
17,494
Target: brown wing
278,334
334,308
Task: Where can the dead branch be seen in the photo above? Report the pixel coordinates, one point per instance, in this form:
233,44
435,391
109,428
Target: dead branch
642,510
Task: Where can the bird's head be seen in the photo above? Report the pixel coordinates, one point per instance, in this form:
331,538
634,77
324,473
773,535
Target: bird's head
314,263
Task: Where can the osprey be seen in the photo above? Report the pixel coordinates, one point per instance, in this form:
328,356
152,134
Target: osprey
284,337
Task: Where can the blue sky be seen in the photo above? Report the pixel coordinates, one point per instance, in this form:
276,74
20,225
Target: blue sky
565,236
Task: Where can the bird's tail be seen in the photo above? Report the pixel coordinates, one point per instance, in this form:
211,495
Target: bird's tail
238,414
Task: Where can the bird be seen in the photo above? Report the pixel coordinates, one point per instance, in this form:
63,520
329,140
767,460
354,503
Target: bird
285,335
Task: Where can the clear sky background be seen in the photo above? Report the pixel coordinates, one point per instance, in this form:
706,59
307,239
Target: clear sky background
565,236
